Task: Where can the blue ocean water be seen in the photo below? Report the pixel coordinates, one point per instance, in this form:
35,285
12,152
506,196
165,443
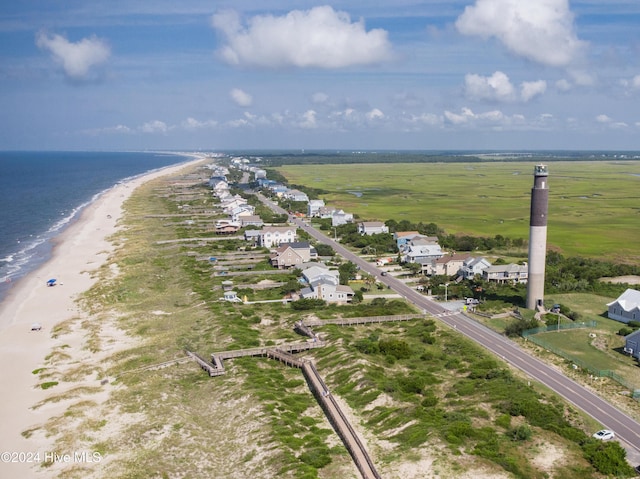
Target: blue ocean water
43,192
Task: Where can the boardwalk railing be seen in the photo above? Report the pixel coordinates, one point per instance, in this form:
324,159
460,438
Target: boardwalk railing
340,422
364,320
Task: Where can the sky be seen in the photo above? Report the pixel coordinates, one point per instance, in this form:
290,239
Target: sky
346,75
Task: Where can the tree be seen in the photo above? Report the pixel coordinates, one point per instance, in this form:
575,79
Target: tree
347,271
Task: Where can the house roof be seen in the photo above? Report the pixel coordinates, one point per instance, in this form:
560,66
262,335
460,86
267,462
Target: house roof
453,257
634,335
628,300
472,262
402,234
278,229
294,245
425,249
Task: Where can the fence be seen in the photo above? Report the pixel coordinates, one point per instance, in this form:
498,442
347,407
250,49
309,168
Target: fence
530,335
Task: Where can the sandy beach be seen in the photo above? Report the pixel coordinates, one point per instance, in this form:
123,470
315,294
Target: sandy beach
79,251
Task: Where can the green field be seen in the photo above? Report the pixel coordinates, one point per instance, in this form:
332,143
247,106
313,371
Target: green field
594,207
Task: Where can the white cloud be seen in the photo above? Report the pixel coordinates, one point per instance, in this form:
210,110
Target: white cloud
532,89
240,97
539,30
563,85
308,120
492,119
497,87
458,119
109,130
632,84
375,114
320,38
582,78
603,119
319,97
155,126
78,58
193,124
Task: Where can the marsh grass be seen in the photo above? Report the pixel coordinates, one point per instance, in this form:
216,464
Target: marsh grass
588,200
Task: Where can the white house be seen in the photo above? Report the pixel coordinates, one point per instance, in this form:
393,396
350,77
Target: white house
506,273
372,228
473,266
626,308
319,274
313,207
275,235
296,195
339,217
423,254
331,293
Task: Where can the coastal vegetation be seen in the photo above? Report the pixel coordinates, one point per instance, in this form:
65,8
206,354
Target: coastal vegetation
418,393
593,205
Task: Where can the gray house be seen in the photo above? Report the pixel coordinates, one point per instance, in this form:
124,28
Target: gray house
632,344
626,308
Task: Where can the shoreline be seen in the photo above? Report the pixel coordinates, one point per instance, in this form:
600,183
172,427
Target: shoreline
78,252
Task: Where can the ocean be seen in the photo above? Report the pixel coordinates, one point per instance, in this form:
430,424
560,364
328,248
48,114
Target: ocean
43,192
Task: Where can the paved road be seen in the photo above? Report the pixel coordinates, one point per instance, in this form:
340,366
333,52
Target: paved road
627,429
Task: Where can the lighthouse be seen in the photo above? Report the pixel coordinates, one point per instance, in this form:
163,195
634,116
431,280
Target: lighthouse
538,237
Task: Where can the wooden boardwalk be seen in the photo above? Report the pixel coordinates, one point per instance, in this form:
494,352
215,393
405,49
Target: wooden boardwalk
340,422
284,354
336,417
364,320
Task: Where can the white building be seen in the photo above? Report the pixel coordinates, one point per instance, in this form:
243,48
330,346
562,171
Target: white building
626,308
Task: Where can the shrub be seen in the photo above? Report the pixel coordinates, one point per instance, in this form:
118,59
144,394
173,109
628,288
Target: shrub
520,433
307,304
607,457
395,347
317,458
625,331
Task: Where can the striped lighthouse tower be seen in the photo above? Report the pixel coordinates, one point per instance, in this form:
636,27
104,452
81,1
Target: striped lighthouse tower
538,237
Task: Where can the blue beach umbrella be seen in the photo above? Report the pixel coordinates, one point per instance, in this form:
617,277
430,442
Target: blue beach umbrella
51,282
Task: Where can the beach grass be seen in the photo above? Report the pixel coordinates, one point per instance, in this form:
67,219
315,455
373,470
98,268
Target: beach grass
593,206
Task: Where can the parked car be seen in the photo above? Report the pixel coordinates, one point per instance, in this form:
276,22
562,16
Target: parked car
604,435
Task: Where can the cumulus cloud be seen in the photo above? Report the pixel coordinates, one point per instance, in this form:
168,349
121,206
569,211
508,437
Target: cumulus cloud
374,114
603,119
309,120
318,38
540,30
193,124
498,87
319,97
532,89
493,119
77,59
240,97
631,84
155,126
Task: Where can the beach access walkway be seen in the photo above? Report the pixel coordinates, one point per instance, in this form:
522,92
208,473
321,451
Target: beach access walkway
284,353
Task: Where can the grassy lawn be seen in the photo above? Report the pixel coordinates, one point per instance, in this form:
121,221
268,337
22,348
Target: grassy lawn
593,206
